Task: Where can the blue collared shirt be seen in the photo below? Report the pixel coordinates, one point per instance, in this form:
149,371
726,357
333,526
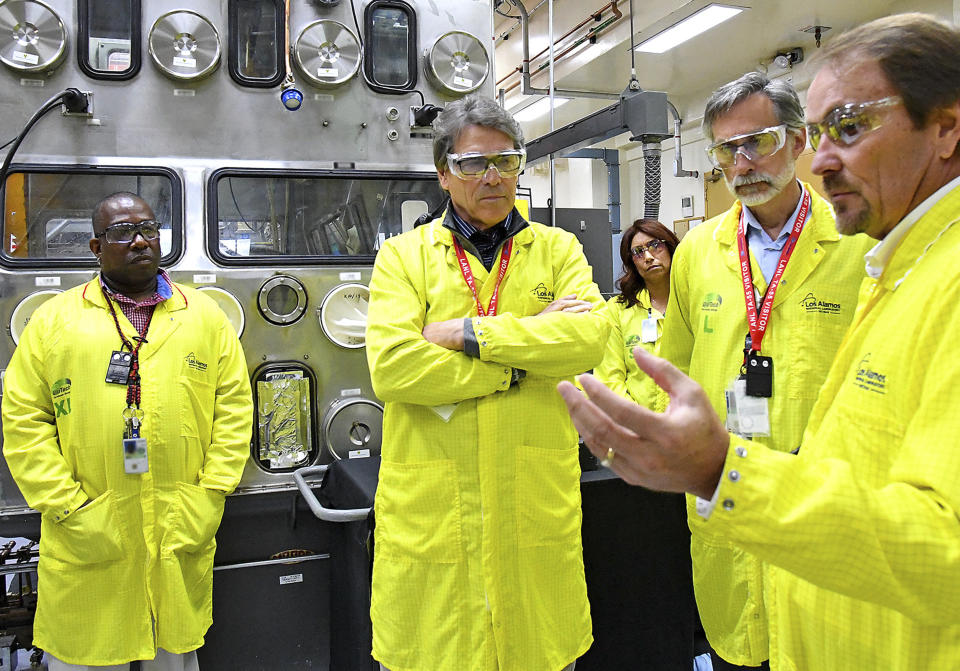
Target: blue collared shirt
763,248
487,242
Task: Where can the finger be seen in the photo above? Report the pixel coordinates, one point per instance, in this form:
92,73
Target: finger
598,430
637,419
667,376
571,297
579,306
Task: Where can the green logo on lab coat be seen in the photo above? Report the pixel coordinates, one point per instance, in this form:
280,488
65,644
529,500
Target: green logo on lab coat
61,396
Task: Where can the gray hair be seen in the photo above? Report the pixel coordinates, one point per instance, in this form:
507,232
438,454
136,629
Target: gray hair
781,93
472,110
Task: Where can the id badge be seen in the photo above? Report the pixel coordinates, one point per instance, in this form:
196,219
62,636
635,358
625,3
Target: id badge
135,455
648,330
747,415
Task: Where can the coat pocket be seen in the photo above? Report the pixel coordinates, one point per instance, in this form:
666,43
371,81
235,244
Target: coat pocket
418,511
548,496
90,535
193,519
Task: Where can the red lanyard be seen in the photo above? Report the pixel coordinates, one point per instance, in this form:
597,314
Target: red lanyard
468,275
133,381
758,323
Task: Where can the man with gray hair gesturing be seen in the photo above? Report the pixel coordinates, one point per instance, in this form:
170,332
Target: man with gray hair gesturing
474,318
779,240
859,531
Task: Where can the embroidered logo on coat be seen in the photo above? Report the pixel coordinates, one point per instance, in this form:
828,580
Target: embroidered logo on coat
195,363
61,396
811,303
711,302
543,294
869,379
632,341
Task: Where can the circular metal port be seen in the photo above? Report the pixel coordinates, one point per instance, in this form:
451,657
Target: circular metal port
282,300
353,428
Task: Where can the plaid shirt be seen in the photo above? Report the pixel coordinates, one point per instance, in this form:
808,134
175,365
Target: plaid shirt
139,312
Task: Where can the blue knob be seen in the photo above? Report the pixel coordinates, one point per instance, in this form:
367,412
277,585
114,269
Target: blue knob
292,99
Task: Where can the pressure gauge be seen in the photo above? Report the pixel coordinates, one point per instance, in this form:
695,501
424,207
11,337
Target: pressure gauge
343,315
25,309
229,304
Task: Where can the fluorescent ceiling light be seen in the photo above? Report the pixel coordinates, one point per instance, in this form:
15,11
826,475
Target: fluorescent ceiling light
538,109
698,22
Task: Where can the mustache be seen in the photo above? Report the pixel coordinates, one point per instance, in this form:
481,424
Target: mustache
833,183
755,178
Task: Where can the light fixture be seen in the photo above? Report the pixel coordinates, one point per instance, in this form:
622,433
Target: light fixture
538,109
700,21
789,58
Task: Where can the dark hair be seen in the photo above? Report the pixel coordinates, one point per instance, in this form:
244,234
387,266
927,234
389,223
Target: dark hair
630,282
781,93
919,54
473,110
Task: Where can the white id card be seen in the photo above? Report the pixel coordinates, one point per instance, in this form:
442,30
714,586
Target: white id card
747,416
135,455
648,330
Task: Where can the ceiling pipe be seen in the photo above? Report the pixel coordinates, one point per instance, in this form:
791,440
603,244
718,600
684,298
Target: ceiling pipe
525,86
678,170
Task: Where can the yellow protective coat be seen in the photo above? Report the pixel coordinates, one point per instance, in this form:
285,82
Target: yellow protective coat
861,531
704,336
619,369
478,562
132,570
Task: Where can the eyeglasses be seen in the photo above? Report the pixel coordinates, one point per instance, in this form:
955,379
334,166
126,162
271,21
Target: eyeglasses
127,231
753,146
848,123
473,165
653,247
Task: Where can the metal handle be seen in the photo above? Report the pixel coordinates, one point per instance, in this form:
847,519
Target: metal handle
325,514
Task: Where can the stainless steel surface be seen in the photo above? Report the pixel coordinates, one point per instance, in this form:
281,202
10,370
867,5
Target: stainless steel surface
32,36
184,45
327,52
24,310
198,127
353,428
457,63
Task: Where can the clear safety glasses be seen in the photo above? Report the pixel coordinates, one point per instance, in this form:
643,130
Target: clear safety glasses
653,247
848,123
472,165
753,146
126,231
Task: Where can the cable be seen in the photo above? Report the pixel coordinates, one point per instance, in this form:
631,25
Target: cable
68,96
7,143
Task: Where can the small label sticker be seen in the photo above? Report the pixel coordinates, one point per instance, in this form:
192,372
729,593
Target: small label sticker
349,392
324,97
328,72
290,579
358,454
349,277
24,57
47,281
208,278
182,62
461,81
33,83
186,93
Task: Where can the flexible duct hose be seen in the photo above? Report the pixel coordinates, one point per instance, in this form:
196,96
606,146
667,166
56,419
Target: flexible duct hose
651,180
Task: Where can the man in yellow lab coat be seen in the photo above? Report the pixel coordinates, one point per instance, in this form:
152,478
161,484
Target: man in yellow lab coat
474,318
860,528
126,421
757,132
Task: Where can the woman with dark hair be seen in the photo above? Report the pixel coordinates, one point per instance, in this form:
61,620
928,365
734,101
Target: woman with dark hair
646,250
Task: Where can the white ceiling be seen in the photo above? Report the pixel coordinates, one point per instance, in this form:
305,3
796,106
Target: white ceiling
690,72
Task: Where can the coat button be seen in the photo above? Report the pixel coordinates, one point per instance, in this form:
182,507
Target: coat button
741,451
734,476
728,504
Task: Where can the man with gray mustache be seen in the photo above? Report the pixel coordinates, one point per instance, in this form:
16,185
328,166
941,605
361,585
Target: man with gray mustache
760,298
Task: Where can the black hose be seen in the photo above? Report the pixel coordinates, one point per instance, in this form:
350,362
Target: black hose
651,181
71,97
